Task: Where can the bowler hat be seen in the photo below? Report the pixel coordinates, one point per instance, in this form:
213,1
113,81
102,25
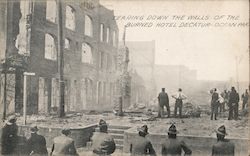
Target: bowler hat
65,131
143,129
102,123
221,130
34,129
12,118
172,129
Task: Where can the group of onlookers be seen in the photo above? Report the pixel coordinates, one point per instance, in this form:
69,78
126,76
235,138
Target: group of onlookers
173,146
229,98
219,101
12,144
103,143
163,101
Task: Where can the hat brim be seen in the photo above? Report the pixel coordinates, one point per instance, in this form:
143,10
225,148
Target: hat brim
141,130
103,125
218,132
34,130
171,132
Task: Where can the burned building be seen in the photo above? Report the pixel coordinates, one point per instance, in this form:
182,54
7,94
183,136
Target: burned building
90,50
142,61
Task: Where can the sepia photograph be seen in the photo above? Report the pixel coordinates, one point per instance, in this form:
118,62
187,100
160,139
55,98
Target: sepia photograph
124,77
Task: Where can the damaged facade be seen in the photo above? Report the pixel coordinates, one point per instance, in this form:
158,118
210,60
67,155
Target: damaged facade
141,67
90,56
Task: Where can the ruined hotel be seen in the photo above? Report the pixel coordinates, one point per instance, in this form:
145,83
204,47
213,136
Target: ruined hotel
90,56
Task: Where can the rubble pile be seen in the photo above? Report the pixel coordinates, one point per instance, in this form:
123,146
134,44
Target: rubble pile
191,110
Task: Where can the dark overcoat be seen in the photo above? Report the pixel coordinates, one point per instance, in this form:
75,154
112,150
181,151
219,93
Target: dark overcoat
223,148
63,145
141,146
37,144
174,147
103,143
9,138
163,99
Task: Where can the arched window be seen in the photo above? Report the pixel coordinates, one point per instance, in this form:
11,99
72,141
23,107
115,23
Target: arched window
114,38
101,60
67,43
51,10
50,47
86,53
107,36
21,41
88,26
89,89
101,32
70,18
109,62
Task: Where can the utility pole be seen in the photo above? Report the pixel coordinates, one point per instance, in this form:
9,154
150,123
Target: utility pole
237,62
5,94
60,58
237,74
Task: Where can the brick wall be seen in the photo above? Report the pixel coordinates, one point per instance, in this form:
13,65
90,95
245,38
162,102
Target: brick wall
74,70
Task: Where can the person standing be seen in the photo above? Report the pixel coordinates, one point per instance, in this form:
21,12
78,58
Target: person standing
223,103
214,104
163,101
233,104
9,138
223,147
102,142
36,143
244,98
179,97
172,146
63,145
141,145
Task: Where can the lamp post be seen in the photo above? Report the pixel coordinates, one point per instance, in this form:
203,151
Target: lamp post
25,74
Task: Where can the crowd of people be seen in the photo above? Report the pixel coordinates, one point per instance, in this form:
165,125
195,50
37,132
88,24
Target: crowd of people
219,102
103,143
229,99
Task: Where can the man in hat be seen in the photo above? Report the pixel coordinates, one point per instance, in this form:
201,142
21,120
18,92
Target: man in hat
163,101
223,146
172,146
36,143
233,104
179,97
102,142
214,104
244,97
63,145
9,138
141,145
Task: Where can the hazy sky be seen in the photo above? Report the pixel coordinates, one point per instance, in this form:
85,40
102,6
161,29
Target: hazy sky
211,51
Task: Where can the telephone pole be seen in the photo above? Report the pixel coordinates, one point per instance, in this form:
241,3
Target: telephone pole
60,58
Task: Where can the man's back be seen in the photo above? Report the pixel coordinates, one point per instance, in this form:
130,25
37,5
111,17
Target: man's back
9,138
225,148
140,146
163,98
215,97
63,145
174,147
37,144
233,97
103,143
